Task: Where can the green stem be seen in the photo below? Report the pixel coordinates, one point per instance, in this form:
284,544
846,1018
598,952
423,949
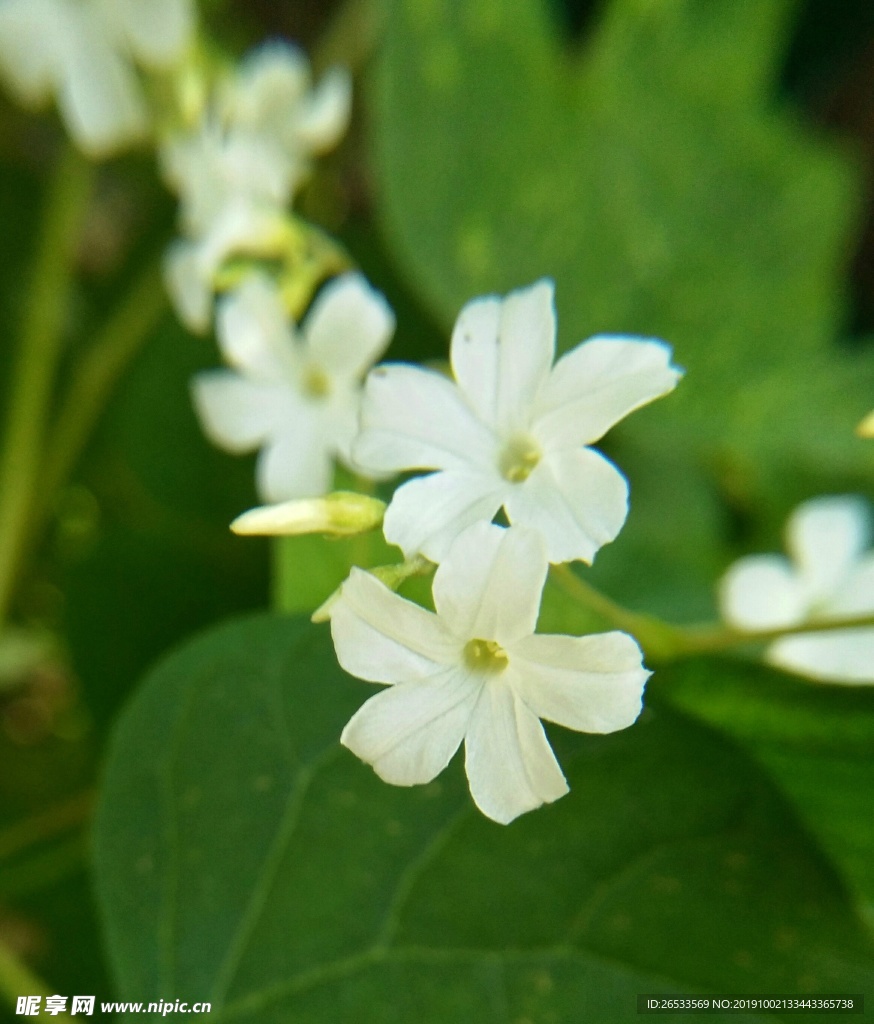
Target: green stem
17,980
659,640
46,824
45,312
663,641
708,639
122,337
48,866
281,569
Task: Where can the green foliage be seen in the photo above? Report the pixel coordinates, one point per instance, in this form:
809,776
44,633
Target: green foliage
816,739
655,177
161,499
244,857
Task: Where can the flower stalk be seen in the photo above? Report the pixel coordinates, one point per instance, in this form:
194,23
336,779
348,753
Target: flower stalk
663,641
41,343
122,337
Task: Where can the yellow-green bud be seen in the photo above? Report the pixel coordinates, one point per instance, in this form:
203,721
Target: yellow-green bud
341,514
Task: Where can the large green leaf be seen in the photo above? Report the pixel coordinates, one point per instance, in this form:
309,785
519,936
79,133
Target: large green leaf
243,857
816,739
654,177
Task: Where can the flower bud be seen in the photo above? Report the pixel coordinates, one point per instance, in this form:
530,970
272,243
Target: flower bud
341,514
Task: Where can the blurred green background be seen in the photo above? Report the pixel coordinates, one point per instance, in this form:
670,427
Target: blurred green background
698,170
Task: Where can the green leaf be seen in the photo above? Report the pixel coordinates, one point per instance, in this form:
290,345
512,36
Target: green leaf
160,502
244,858
816,739
655,177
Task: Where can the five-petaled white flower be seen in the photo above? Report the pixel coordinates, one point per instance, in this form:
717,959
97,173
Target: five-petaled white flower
831,574
238,169
294,393
511,431
474,672
83,52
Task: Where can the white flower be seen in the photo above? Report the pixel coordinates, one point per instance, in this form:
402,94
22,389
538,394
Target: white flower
510,432
273,97
294,393
83,52
475,672
830,575
238,169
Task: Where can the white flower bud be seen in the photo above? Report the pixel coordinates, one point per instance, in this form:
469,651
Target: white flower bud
341,514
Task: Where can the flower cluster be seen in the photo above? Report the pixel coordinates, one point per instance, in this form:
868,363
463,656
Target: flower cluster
512,431
238,166
506,436
830,576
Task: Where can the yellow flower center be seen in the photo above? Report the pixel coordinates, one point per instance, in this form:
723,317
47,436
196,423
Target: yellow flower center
518,458
485,656
316,383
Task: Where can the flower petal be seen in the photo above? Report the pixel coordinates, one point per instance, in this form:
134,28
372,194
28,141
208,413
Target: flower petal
295,463
825,537
348,327
427,514
509,762
413,418
856,596
324,114
100,98
588,683
841,656
254,331
410,731
597,384
235,413
384,638
489,585
31,46
270,80
157,32
761,592
189,288
576,499
502,351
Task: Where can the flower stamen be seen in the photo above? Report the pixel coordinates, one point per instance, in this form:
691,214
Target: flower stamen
316,383
485,656
518,459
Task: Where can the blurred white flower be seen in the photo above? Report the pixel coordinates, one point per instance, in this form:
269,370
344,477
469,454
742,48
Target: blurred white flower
830,575
293,393
237,170
272,97
511,431
243,227
474,672
83,53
